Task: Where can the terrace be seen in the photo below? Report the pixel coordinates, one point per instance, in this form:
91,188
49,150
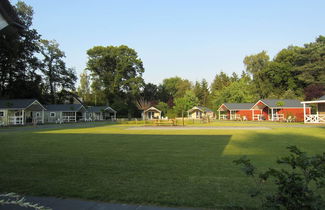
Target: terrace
319,115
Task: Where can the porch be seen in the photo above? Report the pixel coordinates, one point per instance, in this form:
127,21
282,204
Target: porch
151,114
319,113
261,111
22,117
68,117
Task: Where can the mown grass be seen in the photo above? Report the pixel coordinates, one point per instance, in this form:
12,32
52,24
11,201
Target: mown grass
190,168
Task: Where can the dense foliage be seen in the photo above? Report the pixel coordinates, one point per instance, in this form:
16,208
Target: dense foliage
117,73
294,73
31,67
299,185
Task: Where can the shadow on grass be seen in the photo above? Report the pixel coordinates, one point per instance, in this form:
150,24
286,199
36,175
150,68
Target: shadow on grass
49,127
171,170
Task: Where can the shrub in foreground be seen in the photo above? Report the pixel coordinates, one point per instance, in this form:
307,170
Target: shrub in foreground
299,184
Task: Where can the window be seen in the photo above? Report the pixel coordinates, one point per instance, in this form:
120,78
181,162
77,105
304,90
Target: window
2,114
52,114
90,114
38,114
18,113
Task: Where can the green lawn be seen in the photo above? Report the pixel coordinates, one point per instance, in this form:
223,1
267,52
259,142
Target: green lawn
190,168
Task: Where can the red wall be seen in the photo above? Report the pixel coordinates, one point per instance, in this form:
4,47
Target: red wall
247,113
298,112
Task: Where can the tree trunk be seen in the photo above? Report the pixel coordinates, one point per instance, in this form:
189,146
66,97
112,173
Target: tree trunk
183,117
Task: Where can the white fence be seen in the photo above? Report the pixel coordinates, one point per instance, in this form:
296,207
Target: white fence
277,117
68,119
257,117
314,118
223,117
16,120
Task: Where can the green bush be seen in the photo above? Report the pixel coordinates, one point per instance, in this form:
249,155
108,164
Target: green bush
299,185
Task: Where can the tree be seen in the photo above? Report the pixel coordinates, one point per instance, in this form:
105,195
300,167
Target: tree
255,66
84,87
280,78
234,77
150,92
142,104
256,63
18,63
201,91
241,91
117,73
314,91
220,81
163,95
185,103
163,107
57,75
176,87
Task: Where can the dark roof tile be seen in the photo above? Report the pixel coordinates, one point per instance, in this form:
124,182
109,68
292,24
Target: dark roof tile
239,106
15,103
64,107
287,103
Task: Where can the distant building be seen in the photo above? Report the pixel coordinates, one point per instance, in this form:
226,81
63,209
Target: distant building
235,111
151,113
63,113
21,112
279,110
199,112
95,113
319,115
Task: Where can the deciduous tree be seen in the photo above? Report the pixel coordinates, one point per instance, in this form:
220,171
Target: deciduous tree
117,72
56,74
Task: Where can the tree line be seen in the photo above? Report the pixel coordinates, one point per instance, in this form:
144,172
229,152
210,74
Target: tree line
114,76
32,67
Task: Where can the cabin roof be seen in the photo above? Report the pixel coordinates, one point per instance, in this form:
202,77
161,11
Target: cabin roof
201,108
9,14
16,103
64,107
152,109
287,103
238,106
321,98
100,109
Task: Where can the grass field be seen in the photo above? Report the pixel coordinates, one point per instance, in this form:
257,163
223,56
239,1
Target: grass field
190,168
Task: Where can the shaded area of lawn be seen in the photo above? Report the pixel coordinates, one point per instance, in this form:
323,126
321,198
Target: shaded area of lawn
172,170
158,169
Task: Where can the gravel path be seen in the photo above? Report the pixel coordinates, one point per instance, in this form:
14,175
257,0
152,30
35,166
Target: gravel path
198,128
76,204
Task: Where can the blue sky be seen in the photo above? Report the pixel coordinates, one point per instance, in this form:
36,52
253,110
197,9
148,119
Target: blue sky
186,38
